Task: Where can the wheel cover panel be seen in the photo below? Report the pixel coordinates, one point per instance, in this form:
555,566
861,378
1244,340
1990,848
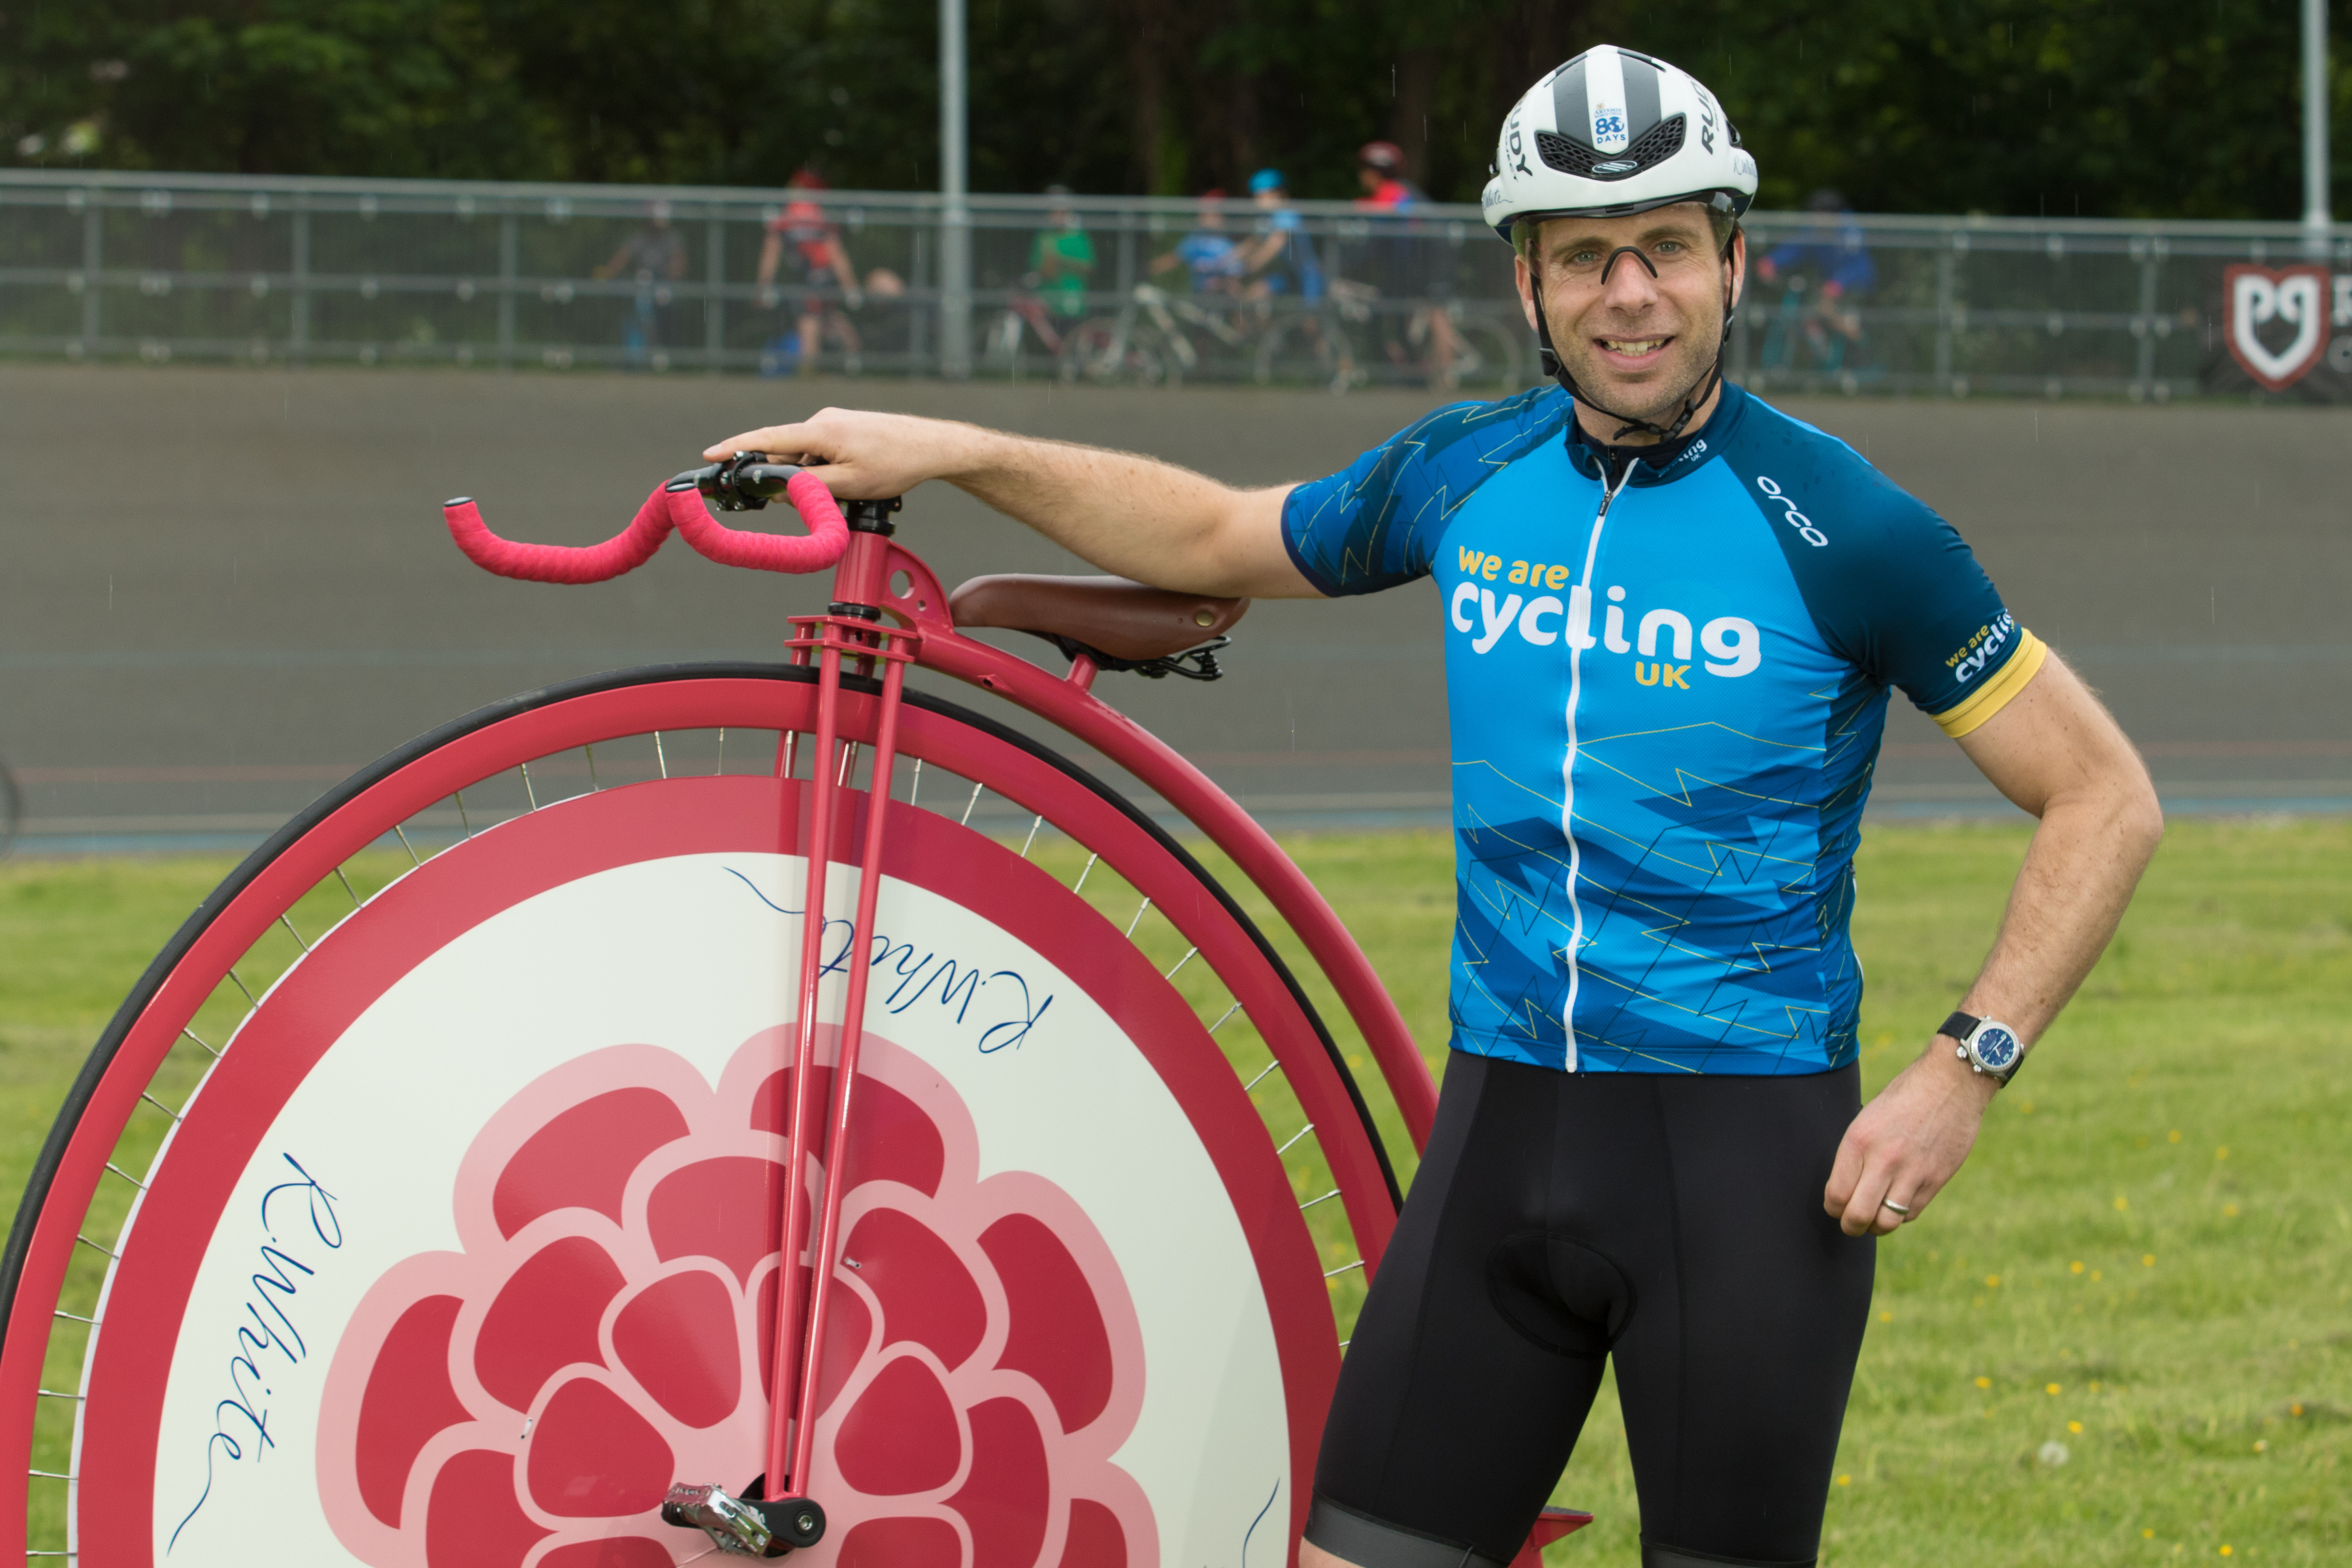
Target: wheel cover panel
1257,1195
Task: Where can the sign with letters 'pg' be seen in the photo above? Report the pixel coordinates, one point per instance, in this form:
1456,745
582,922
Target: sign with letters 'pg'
2282,323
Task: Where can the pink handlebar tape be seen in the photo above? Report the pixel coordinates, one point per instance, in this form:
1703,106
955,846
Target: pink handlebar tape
663,509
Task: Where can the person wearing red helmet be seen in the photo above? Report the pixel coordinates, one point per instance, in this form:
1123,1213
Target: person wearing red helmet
1379,170
1403,264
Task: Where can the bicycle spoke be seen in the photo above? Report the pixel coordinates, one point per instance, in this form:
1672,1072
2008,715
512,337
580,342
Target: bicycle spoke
529,793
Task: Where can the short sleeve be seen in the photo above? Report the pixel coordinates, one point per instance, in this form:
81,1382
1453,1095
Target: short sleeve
1894,587
1938,630
1376,523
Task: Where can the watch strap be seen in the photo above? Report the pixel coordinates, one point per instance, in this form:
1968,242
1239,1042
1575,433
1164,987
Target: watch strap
1960,1025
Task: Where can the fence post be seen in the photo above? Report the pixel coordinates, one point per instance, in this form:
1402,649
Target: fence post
955,212
919,320
2144,326
299,318
1944,288
714,307
510,244
93,257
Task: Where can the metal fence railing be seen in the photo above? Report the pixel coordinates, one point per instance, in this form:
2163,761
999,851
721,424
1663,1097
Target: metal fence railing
112,267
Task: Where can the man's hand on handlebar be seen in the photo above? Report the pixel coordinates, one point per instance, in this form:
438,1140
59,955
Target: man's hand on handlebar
861,456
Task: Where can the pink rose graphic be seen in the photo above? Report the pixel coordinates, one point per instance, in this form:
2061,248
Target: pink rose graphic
607,1330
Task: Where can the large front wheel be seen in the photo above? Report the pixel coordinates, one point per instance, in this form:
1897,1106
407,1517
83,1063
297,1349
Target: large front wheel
421,1208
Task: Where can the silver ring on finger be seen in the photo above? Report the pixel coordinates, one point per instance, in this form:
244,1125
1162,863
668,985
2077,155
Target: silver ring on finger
1901,1209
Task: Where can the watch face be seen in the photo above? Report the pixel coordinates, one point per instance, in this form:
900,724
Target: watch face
1996,1048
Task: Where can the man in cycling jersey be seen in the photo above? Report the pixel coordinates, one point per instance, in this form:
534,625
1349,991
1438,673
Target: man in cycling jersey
1672,616
1280,260
1208,253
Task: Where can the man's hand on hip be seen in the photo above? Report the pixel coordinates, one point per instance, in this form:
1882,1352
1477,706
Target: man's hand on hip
1907,1142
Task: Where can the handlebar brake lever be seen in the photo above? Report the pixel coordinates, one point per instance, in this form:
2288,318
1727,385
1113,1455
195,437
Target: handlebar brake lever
744,482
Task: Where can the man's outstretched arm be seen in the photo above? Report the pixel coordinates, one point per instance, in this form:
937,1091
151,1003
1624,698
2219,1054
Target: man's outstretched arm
1132,515
2056,753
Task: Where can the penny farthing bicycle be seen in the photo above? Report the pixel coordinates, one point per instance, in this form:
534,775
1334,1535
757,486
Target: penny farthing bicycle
423,1205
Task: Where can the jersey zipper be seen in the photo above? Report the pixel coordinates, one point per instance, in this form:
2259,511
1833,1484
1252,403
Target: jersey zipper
1583,595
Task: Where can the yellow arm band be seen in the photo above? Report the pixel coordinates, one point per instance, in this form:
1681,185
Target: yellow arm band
1994,694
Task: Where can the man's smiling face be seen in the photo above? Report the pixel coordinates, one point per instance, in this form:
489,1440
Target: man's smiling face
1638,339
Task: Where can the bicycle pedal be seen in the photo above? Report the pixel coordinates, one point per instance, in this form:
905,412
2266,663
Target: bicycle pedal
746,1526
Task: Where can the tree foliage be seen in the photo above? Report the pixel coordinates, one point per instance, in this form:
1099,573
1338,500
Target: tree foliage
2023,107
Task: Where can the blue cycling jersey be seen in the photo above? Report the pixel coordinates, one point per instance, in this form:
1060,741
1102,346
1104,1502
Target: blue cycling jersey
1667,685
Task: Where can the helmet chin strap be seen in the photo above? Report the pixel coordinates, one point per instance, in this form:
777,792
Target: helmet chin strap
1692,399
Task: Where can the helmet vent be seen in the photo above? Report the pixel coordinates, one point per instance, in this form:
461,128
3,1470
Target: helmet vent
1570,157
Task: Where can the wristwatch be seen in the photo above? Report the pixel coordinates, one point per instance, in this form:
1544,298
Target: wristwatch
1987,1044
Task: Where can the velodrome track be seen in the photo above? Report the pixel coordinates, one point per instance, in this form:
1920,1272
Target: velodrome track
221,590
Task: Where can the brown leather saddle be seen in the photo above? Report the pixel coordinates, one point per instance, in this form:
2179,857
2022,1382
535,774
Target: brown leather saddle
1118,623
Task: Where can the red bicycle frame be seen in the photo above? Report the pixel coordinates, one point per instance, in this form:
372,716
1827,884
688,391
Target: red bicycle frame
870,573
876,581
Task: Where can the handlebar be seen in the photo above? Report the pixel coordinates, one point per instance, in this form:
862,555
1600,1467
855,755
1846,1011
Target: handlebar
745,482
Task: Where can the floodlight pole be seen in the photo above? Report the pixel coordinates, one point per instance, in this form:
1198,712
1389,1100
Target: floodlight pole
955,214
2316,218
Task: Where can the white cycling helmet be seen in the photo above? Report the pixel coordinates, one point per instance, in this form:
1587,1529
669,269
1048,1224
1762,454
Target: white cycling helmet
1612,132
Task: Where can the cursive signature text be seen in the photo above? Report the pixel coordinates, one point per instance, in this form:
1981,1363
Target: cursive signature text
298,1221
954,986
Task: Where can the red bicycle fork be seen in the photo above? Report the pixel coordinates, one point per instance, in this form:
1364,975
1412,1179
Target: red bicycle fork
827,640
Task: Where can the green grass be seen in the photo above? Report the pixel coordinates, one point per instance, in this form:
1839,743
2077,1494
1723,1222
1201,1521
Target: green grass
2165,1198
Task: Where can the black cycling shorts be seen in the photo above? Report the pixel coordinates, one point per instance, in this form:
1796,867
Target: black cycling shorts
1673,1222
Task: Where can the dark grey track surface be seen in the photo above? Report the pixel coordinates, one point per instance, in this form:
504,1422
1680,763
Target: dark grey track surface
220,590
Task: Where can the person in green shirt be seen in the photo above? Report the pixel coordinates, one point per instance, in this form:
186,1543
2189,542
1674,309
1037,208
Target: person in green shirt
1060,260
